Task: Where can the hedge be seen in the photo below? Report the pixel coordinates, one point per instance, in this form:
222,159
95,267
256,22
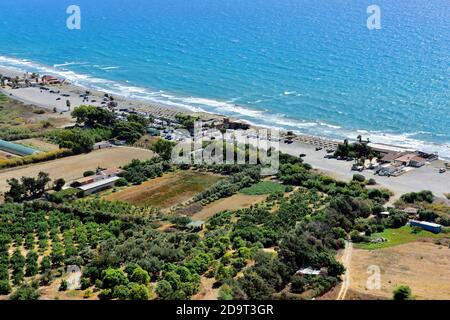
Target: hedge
35,158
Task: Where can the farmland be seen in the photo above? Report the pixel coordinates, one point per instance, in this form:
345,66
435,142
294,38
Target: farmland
167,191
235,202
71,168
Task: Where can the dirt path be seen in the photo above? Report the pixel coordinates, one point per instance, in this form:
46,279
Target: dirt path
346,259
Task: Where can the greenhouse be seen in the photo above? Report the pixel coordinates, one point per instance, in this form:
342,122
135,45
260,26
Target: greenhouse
16,149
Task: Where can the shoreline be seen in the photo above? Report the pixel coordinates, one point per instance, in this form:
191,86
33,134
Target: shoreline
428,176
32,96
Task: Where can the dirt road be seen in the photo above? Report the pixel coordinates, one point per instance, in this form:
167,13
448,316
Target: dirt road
346,259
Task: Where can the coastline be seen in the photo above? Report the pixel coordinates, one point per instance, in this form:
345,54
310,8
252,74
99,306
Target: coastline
415,180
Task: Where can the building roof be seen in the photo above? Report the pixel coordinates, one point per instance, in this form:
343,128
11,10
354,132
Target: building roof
309,271
418,159
97,184
85,180
411,210
195,224
391,156
425,223
110,171
16,148
410,157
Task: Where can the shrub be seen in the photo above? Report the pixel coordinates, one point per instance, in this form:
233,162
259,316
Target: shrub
5,288
359,177
87,294
372,182
63,286
402,292
121,292
139,292
140,276
25,292
121,182
88,173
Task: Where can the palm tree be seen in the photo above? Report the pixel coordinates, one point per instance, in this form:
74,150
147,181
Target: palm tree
359,137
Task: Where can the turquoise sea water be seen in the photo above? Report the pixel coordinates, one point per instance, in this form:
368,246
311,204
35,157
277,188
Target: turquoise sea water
307,65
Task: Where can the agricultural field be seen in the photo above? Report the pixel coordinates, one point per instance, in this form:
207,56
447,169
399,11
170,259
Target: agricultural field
71,168
167,191
263,188
235,202
421,265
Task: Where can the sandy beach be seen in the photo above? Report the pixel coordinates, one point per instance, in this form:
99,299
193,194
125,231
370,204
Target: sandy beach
425,178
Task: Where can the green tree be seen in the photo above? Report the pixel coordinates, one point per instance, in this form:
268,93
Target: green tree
140,276
93,117
31,263
45,264
25,292
78,140
113,277
5,288
58,184
164,289
139,292
121,292
163,148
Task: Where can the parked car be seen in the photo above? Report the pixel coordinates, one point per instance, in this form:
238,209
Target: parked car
302,155
442,170
318,148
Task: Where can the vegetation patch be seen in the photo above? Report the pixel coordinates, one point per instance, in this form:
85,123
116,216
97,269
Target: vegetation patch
263,187
398,236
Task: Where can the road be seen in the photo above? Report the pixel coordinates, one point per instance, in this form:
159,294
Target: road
346,259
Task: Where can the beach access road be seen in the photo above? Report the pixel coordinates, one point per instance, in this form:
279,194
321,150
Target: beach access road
71,168
425,178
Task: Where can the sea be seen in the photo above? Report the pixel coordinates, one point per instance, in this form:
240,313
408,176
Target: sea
311,66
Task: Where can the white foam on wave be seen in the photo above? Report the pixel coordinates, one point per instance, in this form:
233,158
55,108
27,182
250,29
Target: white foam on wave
253,116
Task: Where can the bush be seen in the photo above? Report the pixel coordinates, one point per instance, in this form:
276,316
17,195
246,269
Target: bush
25,292
140,276
359,177
105,294
5,288
87,294
121,182
422,196
139,292
88,173
121,292
63,286
372,182
402,292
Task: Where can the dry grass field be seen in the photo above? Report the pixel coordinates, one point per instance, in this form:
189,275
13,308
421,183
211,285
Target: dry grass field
71,168
422,265
167,191
235,202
